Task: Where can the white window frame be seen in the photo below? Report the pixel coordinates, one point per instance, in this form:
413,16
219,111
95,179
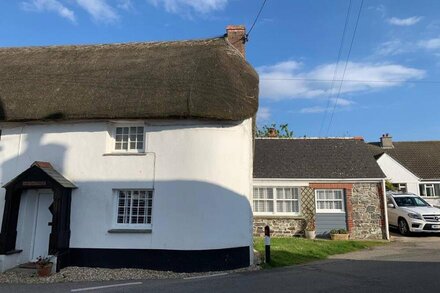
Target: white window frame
112,146
433,190
274,200
401,186
117,225
330,211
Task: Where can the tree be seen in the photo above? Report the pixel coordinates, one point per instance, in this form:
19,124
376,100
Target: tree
389,186
273,130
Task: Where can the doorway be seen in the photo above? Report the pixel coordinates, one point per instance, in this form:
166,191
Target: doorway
34,220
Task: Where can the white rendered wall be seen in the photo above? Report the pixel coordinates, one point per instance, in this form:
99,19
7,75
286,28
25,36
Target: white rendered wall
201,174
396,173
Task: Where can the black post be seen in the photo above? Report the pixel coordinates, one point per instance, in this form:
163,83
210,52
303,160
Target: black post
267,243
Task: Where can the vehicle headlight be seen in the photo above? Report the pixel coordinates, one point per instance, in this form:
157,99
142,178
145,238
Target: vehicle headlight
415,216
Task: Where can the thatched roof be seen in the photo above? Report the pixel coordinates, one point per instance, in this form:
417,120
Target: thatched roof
206,79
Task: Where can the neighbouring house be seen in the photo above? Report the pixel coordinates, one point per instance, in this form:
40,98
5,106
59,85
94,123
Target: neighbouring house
128,155
411,166
321,183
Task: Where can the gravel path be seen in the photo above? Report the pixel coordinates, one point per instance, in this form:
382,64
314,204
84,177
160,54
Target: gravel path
79,274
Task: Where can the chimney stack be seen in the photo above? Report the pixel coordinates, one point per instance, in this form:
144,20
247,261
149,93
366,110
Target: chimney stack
236,35
386,141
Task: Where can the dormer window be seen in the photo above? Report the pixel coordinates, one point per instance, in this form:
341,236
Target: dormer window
129,138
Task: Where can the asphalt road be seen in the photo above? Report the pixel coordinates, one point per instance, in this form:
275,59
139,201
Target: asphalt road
406,265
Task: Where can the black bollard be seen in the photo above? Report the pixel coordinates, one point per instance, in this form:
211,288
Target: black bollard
267,243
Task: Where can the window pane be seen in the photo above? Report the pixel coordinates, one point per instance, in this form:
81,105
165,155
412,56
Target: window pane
269,193
288,193
134,207
280,193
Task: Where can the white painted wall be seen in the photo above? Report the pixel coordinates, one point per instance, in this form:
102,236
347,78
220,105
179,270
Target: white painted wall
201,173
397,173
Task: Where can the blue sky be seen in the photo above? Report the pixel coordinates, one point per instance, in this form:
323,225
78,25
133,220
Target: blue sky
392,77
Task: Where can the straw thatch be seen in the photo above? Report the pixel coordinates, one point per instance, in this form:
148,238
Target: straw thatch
205,79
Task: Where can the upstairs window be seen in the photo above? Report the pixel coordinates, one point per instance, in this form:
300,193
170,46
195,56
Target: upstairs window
134,207
129,139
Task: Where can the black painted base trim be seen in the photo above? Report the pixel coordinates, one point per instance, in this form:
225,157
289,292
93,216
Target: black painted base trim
161,259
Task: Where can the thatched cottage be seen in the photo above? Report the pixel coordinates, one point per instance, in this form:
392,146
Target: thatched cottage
128,155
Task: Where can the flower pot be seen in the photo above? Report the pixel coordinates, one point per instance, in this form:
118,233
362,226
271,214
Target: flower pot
44,270
310,234
339,236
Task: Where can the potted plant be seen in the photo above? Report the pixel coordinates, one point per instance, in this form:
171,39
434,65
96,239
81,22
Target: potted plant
44,266
339,234
310,231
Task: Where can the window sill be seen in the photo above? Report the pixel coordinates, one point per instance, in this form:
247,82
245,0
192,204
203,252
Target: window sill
125,154
10,252
275,216
128,230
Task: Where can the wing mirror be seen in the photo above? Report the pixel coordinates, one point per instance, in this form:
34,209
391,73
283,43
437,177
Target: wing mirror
390,205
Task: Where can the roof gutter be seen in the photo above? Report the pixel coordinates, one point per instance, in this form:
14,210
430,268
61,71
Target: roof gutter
321,179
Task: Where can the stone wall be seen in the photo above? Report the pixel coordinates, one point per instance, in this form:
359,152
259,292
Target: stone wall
279,226
367,212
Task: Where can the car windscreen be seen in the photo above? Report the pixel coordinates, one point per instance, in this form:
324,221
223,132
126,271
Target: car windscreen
410,201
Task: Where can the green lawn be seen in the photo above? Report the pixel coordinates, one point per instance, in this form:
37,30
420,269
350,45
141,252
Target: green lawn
290,251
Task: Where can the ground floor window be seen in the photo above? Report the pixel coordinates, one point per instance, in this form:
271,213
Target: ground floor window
329,200
134,207
276,200
430,189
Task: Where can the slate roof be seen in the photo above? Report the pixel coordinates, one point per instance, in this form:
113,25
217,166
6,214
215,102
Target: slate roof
314,158
422,158
202,79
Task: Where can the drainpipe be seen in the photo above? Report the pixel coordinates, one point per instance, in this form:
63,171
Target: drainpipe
384,194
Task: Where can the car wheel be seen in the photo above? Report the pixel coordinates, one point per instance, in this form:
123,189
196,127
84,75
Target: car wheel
403,227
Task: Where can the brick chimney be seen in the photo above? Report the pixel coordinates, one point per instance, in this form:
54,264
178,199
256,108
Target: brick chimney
386,141
236,35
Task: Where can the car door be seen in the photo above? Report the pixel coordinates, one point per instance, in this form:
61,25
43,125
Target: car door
392,212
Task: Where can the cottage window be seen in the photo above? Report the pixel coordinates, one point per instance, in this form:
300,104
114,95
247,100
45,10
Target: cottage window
329,200
400,187
430,190
276,200
134,207
129,138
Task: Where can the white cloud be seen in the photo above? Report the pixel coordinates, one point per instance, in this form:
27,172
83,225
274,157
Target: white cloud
339,105
185,6
286,80
125,4
312,110
49,5
404,21
342,102
431,44
263,114
100,10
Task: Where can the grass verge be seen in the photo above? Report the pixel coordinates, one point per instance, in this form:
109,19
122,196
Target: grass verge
291,251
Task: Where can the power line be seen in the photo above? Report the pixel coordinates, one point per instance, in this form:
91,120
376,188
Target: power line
341,45
345,68
256,19
353,80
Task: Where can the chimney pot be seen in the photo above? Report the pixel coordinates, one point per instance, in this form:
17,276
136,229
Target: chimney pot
236,35
386,141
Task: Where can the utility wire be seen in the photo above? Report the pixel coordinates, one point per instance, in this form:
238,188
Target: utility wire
256,19
345,68
341,45
353,80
